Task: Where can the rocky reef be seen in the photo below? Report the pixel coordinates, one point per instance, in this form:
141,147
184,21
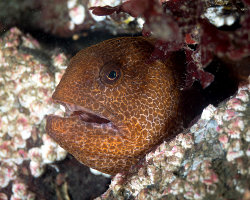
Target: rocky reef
26,88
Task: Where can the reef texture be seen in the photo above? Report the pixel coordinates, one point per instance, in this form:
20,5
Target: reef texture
209,161
64,17
26,86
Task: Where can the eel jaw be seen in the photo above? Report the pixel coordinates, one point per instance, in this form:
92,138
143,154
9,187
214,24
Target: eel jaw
85,115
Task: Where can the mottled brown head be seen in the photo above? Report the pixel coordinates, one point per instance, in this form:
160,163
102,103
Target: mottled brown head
118,104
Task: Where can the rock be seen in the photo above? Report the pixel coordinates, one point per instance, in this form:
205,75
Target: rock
64,18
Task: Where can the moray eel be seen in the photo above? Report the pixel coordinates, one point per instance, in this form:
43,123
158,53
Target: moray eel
118,105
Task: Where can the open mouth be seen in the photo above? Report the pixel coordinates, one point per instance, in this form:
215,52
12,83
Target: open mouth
84,114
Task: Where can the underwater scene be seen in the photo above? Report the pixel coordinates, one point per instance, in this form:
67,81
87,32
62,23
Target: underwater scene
124,99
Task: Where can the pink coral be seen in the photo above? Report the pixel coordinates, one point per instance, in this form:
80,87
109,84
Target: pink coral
26,89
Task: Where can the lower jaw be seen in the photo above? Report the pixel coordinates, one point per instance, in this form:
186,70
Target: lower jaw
77,121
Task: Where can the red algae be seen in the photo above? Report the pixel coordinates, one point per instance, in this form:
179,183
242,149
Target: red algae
172,22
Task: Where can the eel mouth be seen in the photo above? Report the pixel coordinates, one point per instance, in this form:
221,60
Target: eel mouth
83,114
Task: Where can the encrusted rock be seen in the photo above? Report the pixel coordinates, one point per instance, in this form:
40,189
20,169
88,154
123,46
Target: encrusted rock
26,86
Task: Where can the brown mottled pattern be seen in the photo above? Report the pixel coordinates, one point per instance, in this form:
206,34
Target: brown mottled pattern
143,104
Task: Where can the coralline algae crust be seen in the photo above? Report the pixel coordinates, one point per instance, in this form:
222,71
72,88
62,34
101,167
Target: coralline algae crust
26,86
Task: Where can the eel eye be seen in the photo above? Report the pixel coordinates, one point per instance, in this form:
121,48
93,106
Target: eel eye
110,73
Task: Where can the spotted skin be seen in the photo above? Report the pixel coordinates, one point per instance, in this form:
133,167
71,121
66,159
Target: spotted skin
142,104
